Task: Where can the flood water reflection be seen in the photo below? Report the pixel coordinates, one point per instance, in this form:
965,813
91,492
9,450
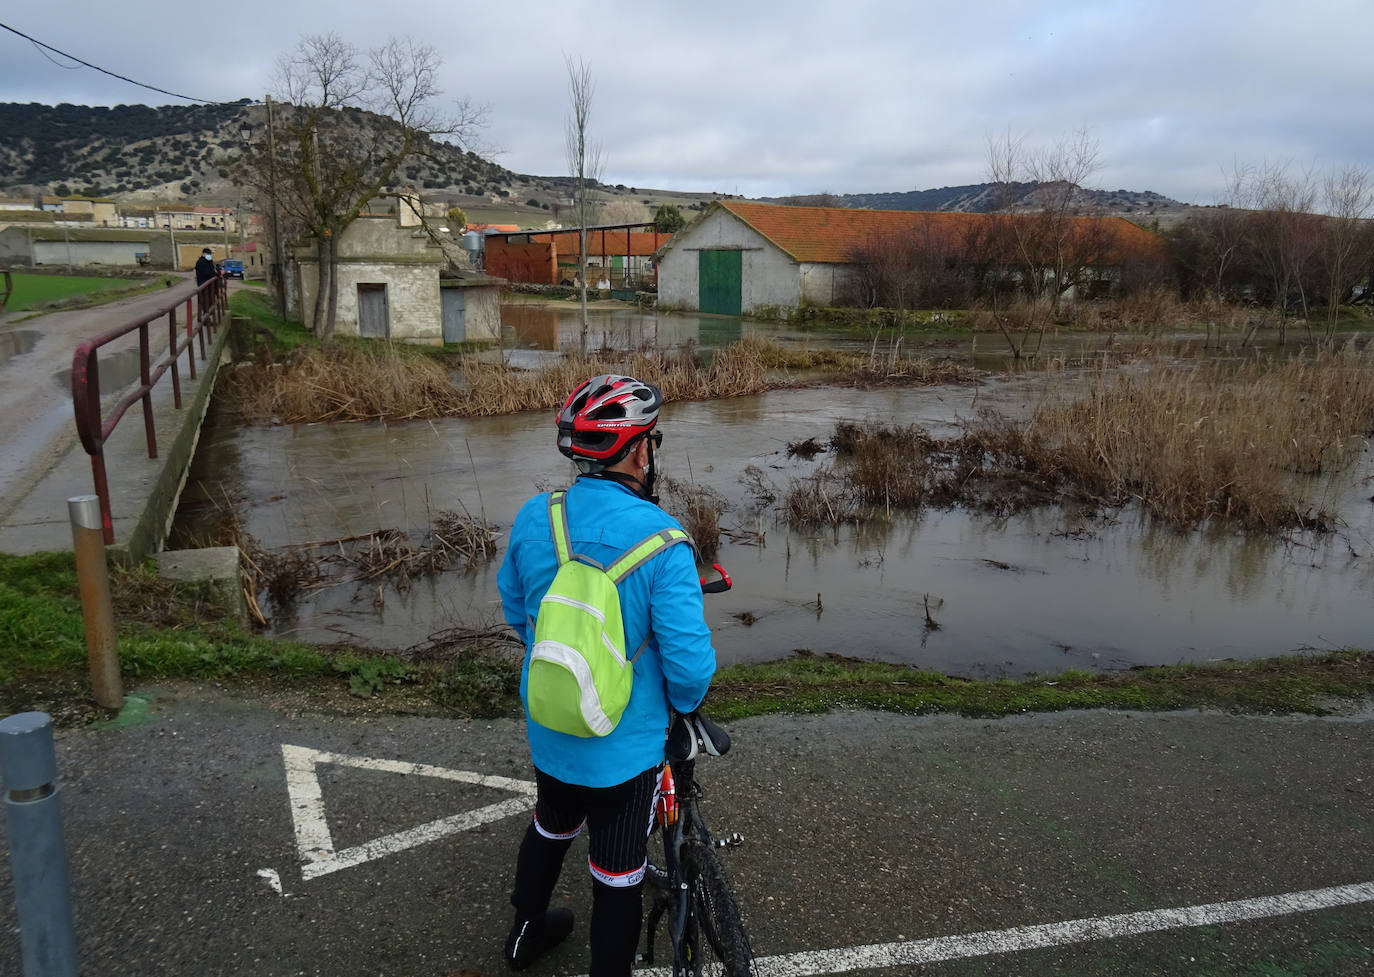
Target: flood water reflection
1042,592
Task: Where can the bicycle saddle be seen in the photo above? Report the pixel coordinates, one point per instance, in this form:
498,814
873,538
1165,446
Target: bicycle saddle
692,734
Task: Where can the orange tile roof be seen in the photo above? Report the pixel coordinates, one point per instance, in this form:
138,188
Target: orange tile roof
832,235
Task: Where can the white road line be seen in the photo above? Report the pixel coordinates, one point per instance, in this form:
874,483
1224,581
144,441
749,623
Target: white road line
939,949
313,839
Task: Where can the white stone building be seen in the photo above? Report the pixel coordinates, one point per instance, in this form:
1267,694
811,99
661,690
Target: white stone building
389,285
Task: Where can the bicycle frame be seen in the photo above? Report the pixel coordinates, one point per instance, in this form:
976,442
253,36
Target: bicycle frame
677,899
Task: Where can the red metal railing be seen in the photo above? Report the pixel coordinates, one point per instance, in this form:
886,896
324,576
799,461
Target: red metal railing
209,301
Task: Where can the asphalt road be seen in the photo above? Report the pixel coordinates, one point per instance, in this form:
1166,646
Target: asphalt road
861,829
35,384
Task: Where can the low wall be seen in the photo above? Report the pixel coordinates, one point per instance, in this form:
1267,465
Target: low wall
154,522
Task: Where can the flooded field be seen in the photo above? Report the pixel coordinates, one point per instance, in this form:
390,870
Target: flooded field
961,592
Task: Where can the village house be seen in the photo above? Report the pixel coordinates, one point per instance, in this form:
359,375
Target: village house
741,256
397,280
197,219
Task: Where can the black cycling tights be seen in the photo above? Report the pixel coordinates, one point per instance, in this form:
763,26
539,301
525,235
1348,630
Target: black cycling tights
617,819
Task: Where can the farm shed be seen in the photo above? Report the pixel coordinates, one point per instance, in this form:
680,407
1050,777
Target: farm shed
740,256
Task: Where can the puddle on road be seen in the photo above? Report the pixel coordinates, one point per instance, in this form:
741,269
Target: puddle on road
17,342
1043,591
117,371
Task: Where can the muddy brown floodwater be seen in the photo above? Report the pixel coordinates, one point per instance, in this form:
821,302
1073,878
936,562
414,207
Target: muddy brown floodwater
1038,592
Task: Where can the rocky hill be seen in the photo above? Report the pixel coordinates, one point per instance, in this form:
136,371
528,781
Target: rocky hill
171,151
982,198
140,153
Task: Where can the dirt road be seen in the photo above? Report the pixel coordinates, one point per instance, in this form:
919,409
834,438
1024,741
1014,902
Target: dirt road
36,426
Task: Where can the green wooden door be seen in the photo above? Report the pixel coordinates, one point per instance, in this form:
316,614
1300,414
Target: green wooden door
719,282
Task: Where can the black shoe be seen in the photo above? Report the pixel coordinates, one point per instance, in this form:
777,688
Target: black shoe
531,938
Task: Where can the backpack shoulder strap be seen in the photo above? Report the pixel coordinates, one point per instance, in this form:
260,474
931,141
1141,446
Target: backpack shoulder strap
644,551
558,525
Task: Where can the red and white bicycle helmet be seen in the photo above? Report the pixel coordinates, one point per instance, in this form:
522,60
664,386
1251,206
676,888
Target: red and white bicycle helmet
602,416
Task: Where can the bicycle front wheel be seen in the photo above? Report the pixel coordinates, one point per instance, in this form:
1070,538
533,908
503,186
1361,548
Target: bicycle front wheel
716,939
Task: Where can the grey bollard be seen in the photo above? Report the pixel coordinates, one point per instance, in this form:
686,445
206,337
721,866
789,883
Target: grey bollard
38,855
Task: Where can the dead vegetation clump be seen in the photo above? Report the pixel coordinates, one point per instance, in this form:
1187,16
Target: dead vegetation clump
1207,442
698,508
824,498
1244,446
887,465
342,383
353,382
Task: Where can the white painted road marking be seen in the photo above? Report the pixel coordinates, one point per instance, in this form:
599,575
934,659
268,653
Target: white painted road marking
817,962
313,839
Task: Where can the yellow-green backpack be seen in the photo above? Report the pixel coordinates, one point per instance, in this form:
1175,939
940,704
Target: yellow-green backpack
580,678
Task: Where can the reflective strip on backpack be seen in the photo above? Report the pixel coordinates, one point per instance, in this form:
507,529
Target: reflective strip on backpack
558,522
644,551
595,612
557,653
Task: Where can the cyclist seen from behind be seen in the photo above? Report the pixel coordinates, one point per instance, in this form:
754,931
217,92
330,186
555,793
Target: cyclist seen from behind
591,770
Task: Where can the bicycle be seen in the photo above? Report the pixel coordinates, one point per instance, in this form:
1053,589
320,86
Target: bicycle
704,926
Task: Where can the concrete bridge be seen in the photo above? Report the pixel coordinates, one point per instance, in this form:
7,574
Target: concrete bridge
42,459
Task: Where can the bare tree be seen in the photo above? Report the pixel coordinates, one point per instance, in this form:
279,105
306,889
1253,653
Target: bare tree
331,159
584,160
623,211
1349,199
1283,233
1039,196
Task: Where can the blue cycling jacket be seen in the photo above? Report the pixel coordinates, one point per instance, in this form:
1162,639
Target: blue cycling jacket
660,601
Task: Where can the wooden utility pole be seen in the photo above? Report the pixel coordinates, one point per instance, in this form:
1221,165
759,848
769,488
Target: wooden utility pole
278,264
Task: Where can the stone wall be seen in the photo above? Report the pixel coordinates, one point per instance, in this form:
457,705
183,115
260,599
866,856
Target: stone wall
412,296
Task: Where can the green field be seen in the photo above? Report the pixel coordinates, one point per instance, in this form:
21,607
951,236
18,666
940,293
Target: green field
34,290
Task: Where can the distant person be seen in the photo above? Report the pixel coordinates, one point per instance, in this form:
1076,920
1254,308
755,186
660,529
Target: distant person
205,268
603,283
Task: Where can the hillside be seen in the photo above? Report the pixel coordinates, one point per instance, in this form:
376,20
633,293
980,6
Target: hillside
170,151
982,198
137,154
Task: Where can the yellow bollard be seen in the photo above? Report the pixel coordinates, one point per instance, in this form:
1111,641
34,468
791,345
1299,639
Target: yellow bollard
93,579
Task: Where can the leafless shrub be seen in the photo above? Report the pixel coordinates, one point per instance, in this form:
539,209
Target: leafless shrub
698,508
757,484
824,499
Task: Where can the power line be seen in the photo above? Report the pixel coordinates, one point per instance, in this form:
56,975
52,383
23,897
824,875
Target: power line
104,71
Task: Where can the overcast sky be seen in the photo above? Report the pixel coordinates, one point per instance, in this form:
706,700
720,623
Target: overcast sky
761,97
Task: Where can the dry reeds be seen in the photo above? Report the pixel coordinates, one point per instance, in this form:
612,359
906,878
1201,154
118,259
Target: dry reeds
1191,444
343,383
698,508
823,499
354,383
1241,445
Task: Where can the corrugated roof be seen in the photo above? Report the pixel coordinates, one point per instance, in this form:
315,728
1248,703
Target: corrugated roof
832,235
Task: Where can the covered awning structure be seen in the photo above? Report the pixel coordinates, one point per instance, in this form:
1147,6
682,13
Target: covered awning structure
622,253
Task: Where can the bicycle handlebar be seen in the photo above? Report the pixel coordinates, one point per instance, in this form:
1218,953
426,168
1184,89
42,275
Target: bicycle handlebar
717,586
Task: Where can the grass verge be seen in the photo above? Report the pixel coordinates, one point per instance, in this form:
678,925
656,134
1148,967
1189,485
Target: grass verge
51,292
172,632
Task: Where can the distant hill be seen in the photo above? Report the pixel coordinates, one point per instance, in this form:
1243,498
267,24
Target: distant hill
982,198
175,151
139,153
